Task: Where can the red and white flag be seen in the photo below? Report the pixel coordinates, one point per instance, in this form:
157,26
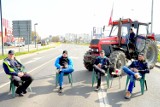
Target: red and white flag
110,19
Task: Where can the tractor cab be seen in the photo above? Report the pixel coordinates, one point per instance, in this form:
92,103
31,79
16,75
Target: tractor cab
122,30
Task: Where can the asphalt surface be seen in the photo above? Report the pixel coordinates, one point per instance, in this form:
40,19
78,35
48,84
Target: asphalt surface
44,92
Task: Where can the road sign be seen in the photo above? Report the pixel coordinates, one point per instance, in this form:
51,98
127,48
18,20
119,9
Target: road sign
35,37
22,28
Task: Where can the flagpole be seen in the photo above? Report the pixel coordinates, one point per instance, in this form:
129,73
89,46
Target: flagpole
152,16
110,19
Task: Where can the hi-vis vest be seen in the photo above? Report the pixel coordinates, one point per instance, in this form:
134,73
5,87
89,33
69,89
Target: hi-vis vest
12,69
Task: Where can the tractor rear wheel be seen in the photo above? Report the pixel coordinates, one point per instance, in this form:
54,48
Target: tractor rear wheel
88,66
151,53
118,60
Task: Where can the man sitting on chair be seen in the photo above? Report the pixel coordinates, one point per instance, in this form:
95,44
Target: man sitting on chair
65,66
14,69
100,66
135,71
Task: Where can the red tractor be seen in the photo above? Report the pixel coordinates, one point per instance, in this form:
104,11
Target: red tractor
117,45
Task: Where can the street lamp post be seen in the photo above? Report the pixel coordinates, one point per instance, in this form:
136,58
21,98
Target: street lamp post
35,37
1,28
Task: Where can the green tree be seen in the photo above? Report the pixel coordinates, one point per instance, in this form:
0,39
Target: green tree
55,39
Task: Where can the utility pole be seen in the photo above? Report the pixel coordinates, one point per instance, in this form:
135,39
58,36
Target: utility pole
1,28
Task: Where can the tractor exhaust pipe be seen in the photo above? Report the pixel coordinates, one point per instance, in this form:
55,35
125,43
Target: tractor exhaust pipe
119,32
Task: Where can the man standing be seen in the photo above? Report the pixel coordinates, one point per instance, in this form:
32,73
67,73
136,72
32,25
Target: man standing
132,36
14,69
136,70
132,40
65,66
100,66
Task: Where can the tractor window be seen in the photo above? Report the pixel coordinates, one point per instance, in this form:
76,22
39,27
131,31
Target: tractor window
142,30
114,31
124,31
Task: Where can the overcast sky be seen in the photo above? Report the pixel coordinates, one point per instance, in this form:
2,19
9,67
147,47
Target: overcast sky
78,16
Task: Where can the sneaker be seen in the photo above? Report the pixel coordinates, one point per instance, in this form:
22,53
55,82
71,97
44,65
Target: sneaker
24,92
97,89
60,90
138,77
59,70
128,95
19,94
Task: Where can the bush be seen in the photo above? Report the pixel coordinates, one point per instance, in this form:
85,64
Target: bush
159,56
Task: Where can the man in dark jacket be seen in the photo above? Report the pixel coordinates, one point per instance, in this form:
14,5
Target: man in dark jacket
132,39
64,65
136,70
100,66
14,69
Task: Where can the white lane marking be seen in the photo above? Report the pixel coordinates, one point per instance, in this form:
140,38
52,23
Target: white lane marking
4,84
33,60
103,101
30,71
73,57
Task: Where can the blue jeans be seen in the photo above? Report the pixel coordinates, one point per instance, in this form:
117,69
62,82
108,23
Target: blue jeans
64,71
132,78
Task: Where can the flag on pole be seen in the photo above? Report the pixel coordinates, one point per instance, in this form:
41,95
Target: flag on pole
110,19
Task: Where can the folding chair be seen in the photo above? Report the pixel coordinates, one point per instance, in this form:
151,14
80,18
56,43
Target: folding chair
94,76
13,88
115,75
69,78
142,83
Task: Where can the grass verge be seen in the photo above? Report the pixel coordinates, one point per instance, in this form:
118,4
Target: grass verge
31,51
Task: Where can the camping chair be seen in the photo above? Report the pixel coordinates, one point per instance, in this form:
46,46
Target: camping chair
142,81
69,78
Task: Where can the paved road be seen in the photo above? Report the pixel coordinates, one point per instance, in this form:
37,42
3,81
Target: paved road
40,66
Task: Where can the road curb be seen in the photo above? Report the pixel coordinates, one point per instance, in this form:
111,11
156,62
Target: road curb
158,64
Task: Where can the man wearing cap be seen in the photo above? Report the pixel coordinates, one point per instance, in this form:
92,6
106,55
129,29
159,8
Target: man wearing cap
64,65
14,69
135,70
100,66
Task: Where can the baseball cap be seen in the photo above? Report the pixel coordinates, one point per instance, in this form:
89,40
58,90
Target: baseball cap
102,51
65,51
141,54
11,52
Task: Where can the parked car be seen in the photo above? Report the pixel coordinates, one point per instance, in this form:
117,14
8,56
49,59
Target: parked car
44,42
22,43
18,44
8,44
